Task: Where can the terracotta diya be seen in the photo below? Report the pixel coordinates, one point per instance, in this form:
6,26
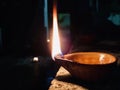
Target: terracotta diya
88,66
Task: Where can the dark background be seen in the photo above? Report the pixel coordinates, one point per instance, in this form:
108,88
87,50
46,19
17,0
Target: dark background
24,35
22,23
89,22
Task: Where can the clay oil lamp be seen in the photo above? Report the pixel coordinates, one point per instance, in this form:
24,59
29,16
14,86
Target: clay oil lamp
87,66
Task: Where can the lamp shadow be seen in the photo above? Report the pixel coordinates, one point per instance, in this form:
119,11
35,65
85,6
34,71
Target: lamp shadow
109,84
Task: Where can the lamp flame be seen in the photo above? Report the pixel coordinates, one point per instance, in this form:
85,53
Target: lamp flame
56,48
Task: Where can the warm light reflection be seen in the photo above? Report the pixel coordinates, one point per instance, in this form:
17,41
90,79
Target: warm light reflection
48,40
35,59
56,49
101,58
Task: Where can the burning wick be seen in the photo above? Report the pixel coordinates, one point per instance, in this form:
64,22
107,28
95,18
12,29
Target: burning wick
101,58
59,56
35,59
